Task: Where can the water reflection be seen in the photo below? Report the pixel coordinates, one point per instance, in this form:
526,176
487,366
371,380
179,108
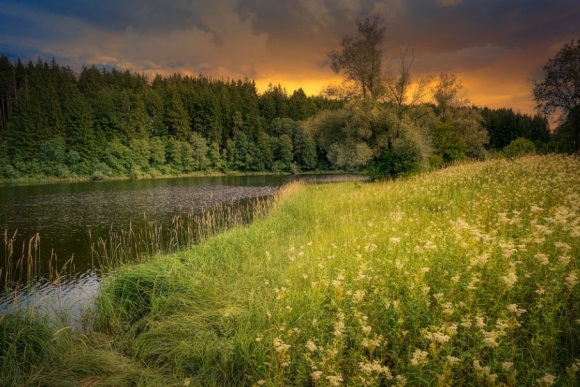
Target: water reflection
62,214
66,299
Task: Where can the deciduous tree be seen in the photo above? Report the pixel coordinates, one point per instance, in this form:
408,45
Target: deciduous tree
559,92
360,57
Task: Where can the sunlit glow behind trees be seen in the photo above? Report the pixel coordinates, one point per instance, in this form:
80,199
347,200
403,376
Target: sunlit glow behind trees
385,121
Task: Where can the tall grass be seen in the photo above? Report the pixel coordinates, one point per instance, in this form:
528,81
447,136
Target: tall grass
137,245
465,276
35,350
24,267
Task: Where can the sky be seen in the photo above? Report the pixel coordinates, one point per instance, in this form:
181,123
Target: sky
495,47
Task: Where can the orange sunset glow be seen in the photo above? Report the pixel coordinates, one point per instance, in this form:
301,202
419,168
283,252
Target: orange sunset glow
496,48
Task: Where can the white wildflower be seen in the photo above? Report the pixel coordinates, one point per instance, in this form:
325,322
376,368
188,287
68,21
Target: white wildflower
546,380
280,346
506,365
375,367
489,339
510,279
316,375
311,346
501,325
465,323
339,325
514,309
562,246
419,357
451,330
542,259
334,380
491,378
401,380
452,359
358,296
448,309
564,260
571,280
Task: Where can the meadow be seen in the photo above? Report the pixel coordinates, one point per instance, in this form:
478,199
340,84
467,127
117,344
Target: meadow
462,276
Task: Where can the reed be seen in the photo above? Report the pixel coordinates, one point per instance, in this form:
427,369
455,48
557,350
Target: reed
24,266
140,244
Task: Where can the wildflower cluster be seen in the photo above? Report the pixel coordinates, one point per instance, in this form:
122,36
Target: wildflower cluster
468,275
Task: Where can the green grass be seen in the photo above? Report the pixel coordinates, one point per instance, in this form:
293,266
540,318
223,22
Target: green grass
466,275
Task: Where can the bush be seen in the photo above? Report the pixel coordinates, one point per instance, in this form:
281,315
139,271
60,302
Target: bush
402,159
7,171
100,171
436,161
519,147
448,142
52,151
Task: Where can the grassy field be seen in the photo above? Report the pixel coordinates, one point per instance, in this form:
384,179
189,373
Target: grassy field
464,276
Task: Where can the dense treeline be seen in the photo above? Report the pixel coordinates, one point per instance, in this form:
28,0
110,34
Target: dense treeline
505,126
103,123
55,122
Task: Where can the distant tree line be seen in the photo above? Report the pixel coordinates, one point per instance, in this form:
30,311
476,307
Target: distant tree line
100,123
505,126
105,123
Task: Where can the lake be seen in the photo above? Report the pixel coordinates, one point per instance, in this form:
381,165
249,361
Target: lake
57,224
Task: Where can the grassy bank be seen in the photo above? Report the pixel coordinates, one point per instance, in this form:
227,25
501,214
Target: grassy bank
467,275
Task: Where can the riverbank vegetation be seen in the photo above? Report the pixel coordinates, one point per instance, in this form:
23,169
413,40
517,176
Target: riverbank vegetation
106,123
466,275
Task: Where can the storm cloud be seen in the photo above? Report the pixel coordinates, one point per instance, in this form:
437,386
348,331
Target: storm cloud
496,47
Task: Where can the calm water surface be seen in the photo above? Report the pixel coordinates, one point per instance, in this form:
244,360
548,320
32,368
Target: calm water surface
64,213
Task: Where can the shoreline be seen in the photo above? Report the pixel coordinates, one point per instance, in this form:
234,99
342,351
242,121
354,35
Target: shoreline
57,180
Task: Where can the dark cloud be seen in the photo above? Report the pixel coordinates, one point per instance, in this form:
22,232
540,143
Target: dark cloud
313,20
496,46
502,23
145,17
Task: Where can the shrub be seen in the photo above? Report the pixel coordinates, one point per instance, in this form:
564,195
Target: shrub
519,147
402,159
7,171
100,171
